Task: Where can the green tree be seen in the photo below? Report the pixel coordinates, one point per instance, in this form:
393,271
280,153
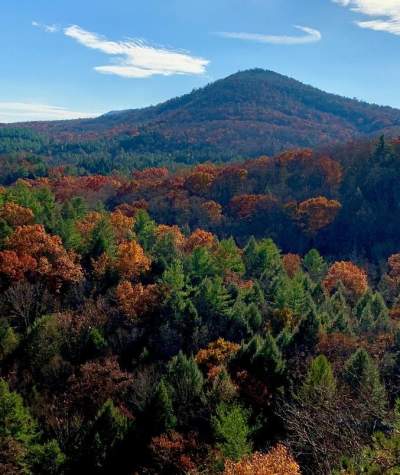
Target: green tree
232,430
145,229
363,378
186,382
162,408
320,383
314,264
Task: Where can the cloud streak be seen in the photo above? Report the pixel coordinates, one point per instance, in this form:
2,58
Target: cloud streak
25,111
310,35
136,58
46,28
385,14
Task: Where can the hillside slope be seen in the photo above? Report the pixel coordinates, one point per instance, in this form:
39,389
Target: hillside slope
249,113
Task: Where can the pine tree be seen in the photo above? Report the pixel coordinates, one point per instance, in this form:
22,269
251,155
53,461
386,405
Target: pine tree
201,265
186,382
253,317
108,431
307,335
362,376
162,408
232,431
102,240
320,383
145,229
314,264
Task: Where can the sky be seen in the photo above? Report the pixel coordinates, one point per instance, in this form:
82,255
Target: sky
63,59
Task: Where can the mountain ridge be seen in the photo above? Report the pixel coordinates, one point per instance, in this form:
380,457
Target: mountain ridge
249,113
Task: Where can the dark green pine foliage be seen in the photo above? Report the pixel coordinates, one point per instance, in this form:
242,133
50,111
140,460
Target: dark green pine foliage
314,264
363,377
162,411
231,430
201,265
263,357
339,312
105,437
307,336
102,240
145,230
320,383
186,383
21,448
253,317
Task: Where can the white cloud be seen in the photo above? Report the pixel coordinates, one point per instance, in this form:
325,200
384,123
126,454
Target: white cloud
137,59
24,112
311,36
46,28
385,14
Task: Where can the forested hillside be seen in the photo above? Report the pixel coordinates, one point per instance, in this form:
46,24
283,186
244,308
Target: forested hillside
232,319
246,115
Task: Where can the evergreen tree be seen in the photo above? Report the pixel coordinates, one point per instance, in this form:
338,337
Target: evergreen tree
145,230
162,408
19,430
253,317
320,382
108,431
314,264
362,376
307,335
201,265
232,431
102,240
186,382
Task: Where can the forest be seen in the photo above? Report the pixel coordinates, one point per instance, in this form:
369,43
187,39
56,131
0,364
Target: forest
219,318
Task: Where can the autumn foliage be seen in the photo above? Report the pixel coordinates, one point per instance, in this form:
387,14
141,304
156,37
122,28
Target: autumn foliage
352,277
276,462
32,249
315,214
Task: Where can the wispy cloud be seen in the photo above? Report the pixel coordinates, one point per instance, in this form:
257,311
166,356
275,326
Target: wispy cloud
23,112
46,28
137,59
311,36
385,14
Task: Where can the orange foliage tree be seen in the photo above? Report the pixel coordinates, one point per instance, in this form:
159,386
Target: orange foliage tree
277,461
353,278
131,260
173,231
291,264
212,211
245,206
32,244
199,238
16,215
317,213
122,225
217,353
135,299
14,266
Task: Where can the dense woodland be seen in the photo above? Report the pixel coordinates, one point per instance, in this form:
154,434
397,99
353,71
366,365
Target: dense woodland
239,318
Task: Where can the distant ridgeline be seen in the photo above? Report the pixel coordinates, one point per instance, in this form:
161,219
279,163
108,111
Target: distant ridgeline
246,115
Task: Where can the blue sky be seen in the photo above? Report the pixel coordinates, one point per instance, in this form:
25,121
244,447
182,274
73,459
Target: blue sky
75,58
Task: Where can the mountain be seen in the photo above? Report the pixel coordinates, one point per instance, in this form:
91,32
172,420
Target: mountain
247,114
